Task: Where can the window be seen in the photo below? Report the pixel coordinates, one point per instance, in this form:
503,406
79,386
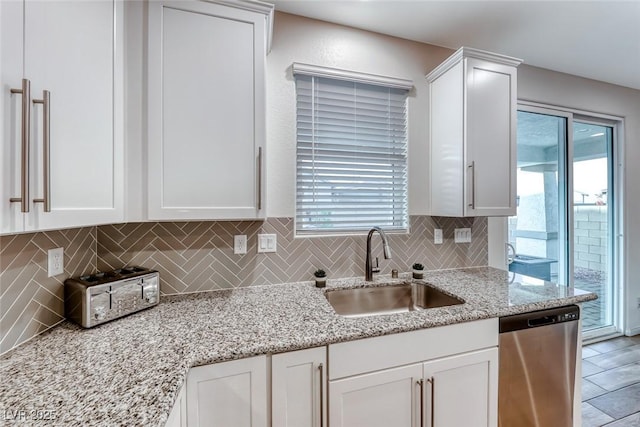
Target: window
351,157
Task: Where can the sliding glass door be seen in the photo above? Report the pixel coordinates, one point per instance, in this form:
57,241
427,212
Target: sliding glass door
538,232
565,224
593,215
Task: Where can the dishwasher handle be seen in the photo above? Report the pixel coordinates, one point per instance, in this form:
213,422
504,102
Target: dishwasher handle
541,321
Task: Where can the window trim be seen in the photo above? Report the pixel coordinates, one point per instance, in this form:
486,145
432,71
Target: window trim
353,76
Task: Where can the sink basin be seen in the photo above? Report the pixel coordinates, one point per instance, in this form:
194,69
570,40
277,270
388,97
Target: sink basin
389,299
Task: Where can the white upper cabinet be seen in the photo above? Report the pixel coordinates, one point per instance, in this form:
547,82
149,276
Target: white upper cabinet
61,114
206,109
473,107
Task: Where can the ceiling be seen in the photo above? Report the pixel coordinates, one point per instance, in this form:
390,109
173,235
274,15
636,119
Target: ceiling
594,39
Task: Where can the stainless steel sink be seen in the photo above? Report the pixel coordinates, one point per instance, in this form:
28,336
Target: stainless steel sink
400,298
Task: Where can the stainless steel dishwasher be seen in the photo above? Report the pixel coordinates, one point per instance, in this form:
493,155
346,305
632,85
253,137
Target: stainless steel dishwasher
537,368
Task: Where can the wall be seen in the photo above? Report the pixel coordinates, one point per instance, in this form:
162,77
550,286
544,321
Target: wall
200,253
31,302
550,87
591,249
198,256
295,39
304,40
298,39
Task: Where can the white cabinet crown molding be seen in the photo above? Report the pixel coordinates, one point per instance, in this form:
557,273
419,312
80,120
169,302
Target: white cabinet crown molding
267,9
469,52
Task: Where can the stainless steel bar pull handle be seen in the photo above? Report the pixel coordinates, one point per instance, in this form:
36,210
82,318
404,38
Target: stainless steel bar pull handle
321,369
46,143
26,132
472,166
432,381
259,178
420,383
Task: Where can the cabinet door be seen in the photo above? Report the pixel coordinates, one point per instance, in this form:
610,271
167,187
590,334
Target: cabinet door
11,74
446,127
228,394
178,415
206,112
380,399
74,50
462,390
298,388
490,135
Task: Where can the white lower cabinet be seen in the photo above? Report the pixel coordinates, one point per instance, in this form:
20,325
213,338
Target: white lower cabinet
432,392
438,377
229,394
379,399
462,390
178,415
298,388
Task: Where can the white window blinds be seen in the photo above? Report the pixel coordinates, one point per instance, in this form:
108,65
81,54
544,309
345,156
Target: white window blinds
351,156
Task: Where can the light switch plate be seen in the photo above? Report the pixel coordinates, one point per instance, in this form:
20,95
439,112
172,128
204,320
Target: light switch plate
240,244
55,261
437,236
267,243
462,235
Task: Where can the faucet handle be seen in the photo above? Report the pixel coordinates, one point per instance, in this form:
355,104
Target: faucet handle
376,268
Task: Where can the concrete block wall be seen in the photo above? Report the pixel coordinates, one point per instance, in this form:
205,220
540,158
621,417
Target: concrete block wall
592,246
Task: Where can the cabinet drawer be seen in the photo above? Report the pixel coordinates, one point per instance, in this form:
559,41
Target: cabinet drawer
372,354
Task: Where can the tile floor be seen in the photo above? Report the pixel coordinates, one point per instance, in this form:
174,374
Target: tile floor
611,383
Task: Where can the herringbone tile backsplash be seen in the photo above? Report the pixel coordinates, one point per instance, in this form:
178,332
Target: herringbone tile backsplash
198,256
31,302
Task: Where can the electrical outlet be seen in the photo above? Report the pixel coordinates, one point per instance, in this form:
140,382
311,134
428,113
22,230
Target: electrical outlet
267,243
240,244
462,235
55,261
437,236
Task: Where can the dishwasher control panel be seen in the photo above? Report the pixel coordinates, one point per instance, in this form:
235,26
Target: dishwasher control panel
536,319
566,317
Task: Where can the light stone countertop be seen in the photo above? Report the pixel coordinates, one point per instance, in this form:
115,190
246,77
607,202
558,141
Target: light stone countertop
128,372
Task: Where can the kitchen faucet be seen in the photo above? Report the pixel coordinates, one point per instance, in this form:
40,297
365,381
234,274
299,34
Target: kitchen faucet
368,268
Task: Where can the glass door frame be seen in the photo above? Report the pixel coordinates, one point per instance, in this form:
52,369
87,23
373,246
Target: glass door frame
616,251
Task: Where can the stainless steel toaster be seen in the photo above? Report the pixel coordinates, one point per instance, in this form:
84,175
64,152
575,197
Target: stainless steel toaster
98,298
